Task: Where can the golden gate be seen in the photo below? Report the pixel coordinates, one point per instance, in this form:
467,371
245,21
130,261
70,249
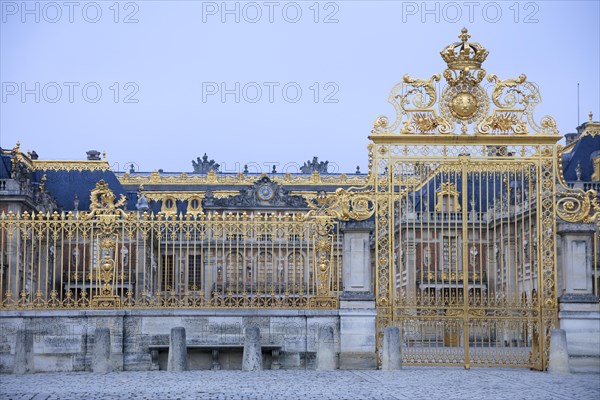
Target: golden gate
464,198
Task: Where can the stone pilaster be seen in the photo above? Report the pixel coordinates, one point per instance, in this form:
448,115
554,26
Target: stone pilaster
357,303
579,311
575,272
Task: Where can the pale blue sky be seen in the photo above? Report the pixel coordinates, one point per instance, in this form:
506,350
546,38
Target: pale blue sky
170,54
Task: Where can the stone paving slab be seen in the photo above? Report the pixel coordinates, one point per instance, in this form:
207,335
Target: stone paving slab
409,383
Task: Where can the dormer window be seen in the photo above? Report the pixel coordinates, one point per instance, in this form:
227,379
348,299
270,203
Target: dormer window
447,198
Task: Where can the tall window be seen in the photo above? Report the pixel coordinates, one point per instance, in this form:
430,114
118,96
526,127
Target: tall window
449,254
295,268
426,257
265,267
194,272
234,267
168,273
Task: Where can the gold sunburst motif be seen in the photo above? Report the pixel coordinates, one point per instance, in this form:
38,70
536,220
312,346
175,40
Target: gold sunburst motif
426,122
503,122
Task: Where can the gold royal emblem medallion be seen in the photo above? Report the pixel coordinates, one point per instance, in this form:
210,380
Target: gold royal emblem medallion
463,105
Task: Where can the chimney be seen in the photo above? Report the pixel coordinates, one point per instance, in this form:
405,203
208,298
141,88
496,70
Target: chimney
93,155
570,138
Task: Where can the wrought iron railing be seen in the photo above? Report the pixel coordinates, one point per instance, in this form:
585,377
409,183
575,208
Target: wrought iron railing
108,258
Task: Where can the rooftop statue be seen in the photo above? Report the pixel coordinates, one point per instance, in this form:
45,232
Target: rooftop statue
315,165
142,202
204,165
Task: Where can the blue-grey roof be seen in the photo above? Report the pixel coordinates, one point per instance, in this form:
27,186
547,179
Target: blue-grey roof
483,190
63,185
582,154
5,165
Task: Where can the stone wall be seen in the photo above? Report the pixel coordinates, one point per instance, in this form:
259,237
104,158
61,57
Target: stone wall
64,340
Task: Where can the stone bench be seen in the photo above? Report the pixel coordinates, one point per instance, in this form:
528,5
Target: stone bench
215,349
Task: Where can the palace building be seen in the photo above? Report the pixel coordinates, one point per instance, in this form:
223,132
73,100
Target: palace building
472,231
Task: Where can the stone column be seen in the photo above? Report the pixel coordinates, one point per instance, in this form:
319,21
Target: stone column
252,357
391,358
326,349
101,356
177,360
113,321
579,314
357,303
559,355
23,363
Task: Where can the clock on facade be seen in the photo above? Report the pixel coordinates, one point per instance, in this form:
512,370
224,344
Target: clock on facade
265,192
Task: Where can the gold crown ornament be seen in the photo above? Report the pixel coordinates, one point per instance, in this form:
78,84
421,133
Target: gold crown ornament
464,55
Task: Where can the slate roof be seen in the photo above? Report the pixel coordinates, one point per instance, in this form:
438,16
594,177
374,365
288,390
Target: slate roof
63,185
5,165
582,153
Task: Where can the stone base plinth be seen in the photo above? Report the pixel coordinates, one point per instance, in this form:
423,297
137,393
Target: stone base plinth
581,322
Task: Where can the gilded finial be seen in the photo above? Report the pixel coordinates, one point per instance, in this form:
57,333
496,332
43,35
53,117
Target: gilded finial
104,154
590,115
464,35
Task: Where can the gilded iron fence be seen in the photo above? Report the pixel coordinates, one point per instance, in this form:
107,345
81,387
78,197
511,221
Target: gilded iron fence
109,258
596,263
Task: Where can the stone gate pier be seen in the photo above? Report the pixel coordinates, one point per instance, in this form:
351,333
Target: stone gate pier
579,311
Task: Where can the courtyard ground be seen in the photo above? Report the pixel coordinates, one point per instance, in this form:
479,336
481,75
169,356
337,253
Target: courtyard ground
408,383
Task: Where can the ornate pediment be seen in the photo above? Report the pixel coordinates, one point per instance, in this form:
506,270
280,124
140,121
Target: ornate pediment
463,106
263,193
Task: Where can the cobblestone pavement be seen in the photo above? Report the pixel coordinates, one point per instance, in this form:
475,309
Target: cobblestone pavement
409,383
